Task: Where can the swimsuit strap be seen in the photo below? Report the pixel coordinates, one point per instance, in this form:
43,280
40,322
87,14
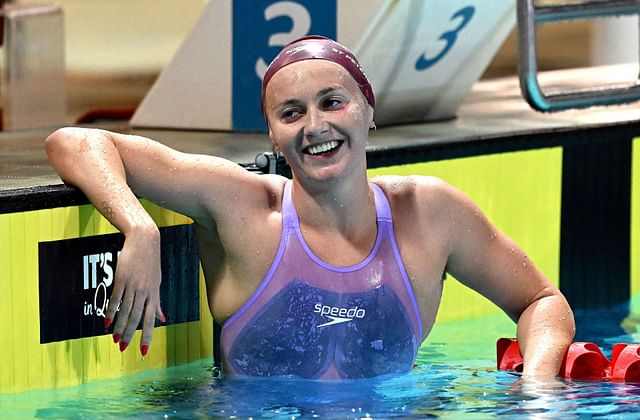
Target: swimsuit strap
383,210
289,214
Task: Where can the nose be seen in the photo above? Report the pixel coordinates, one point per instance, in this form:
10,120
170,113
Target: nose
316,123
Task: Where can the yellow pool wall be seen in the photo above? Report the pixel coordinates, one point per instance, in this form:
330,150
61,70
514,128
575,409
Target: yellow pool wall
520,192
25,363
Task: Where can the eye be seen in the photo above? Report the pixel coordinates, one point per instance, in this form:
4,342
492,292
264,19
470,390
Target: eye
290,114
332,103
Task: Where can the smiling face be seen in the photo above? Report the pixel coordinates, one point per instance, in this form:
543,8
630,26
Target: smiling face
319,118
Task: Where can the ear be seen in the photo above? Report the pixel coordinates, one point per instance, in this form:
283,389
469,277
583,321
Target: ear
271,134
369,116
273,142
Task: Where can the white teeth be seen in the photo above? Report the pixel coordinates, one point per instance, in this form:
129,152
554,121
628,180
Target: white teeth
323,147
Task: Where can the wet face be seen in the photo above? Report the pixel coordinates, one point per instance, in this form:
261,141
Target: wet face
319,119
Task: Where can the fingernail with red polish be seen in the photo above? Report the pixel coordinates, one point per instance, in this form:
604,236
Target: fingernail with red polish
116,338
144,349
107,323
123,345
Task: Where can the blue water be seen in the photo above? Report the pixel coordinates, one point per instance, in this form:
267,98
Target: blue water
455,375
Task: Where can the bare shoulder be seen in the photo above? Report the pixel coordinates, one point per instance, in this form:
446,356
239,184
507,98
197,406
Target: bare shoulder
246,197
426,195
273,186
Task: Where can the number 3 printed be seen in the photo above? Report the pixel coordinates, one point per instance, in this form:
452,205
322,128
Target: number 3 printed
449,37
301,24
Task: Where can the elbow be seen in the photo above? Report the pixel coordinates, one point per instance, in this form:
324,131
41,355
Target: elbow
52,142
564,312
550,293
63,147
57,141
551,304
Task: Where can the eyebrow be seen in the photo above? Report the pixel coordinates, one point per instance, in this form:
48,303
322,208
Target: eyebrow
329,89
321,92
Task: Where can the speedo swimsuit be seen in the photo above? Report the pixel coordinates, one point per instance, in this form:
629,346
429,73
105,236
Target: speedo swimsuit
314,320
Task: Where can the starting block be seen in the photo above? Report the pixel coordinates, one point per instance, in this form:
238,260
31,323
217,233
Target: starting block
422,57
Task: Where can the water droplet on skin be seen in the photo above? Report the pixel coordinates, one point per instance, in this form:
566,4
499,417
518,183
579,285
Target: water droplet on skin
236,198
513,250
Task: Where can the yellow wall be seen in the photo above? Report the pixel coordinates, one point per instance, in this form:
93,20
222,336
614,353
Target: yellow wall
27,364
520,192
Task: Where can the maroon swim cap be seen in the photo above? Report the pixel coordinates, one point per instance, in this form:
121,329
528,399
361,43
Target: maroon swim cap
318,47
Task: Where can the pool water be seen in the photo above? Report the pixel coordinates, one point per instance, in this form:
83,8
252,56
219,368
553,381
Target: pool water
455,375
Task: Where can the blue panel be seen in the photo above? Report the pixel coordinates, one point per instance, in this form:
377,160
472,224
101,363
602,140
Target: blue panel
260,30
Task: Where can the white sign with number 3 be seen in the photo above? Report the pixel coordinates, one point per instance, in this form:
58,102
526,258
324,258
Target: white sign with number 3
423,56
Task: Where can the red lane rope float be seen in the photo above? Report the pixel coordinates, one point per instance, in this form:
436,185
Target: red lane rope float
106,114
582,361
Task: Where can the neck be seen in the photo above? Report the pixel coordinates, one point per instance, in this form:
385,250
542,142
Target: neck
336,206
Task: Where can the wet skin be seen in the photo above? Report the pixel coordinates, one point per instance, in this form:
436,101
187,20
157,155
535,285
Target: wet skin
319,119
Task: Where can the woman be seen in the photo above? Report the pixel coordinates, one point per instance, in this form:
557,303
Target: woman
329,275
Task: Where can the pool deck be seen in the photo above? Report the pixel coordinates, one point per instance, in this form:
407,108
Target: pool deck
494,117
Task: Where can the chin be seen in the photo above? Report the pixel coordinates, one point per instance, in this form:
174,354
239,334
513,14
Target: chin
332,174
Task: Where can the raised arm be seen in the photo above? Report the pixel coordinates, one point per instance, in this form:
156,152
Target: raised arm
108,167
486,260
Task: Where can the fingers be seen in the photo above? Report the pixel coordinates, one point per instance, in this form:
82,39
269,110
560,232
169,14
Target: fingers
123,320
132,310
135,316
147,329
160,315
139,307
114,302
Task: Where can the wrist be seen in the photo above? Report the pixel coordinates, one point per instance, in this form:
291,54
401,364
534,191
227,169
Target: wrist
147,232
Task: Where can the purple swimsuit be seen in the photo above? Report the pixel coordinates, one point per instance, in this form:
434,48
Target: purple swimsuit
313,320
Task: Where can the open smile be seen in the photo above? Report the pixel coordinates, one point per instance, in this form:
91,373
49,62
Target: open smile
322,148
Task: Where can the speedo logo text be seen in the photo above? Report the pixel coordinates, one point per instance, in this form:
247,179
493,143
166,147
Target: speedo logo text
338,315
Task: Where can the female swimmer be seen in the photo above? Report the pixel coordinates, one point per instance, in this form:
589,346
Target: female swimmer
328,275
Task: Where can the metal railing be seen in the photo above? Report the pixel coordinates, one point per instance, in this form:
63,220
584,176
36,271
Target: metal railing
529,16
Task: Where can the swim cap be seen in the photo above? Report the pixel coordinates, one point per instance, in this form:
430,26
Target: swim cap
318,47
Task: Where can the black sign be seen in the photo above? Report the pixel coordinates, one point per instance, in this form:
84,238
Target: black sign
76,278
